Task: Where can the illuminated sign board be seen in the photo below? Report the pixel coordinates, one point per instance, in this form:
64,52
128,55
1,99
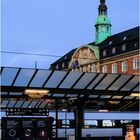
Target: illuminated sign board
15,128
27,112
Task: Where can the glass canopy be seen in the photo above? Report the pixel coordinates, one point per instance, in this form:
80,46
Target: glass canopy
63,85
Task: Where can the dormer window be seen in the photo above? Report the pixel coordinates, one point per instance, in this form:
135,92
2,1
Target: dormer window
124,38
57,66
110,42
104,53
114,50
63,65
123,47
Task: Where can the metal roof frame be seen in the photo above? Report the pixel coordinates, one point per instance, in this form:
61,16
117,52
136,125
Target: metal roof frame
90,86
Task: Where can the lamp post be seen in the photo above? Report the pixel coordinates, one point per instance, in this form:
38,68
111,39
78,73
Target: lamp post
66,124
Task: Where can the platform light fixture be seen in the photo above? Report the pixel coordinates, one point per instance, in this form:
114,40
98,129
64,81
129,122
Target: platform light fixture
114,102
135,94
103,110
36,93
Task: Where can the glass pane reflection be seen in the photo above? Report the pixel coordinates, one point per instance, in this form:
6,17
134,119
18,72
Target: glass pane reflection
26,104
40,78
24,77
118,84
8,76
55,79
95,81
137,88
11,104
18,104
4,103
131,84
85,80
70,79
32,105
106,81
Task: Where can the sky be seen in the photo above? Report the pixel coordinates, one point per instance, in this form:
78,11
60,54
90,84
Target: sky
54,27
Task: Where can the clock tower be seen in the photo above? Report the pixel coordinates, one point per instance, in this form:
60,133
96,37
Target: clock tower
103,24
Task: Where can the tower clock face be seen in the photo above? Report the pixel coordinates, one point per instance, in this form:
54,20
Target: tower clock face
102,28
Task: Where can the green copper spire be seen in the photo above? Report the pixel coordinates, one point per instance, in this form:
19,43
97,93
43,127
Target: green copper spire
103,24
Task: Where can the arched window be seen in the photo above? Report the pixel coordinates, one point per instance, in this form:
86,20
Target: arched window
104,52
123,47
93,68
114,50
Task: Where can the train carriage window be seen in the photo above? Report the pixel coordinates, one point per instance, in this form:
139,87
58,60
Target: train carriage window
90,123
108,123
65,123
125,121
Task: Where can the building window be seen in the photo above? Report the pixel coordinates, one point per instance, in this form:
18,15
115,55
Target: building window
63,65
125,37
107,29
114,68
108,123
135,44
93,68
68,63
124,66
104,53
110,42
96,29
57,66
104,69
123,47
102,29
135,63
65,57
114,50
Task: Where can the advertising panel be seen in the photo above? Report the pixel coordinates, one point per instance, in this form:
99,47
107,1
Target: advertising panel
26,128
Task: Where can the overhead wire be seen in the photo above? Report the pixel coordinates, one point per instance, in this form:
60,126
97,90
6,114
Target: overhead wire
45,55
24,53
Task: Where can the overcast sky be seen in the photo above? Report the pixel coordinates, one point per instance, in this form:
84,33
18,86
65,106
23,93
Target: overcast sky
54,27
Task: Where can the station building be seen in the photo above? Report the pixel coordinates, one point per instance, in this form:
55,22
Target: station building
92,92
118,53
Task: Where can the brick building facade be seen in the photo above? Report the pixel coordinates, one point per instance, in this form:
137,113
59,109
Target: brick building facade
120,53
117,53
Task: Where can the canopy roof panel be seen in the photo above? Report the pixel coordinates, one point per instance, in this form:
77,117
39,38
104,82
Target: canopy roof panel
98,90
19,79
